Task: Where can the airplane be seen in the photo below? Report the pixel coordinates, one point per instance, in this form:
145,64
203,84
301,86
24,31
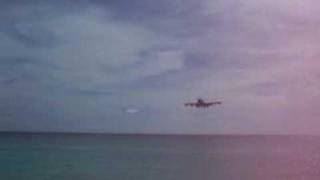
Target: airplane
202,104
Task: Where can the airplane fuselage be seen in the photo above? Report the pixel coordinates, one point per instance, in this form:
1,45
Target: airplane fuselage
201,104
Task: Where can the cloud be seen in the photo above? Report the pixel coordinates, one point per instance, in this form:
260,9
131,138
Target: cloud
87,47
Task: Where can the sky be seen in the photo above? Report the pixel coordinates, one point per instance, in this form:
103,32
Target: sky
129,66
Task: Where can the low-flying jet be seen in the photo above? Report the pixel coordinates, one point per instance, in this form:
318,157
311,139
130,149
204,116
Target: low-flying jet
202,104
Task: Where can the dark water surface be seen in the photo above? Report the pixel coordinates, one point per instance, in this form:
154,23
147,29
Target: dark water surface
142,157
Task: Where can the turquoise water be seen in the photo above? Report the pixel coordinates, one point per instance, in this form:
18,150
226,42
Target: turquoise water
124,157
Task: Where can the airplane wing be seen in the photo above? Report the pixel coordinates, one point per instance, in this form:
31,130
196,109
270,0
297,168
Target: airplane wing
212,103
215,103
203,104
190,104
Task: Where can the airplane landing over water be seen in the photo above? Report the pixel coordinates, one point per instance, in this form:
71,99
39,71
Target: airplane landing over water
202,104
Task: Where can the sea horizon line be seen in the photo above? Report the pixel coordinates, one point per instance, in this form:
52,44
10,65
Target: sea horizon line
151,133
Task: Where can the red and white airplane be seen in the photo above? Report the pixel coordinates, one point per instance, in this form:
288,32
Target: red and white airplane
202,104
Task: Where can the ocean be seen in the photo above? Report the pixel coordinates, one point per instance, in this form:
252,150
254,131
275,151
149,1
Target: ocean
41,156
